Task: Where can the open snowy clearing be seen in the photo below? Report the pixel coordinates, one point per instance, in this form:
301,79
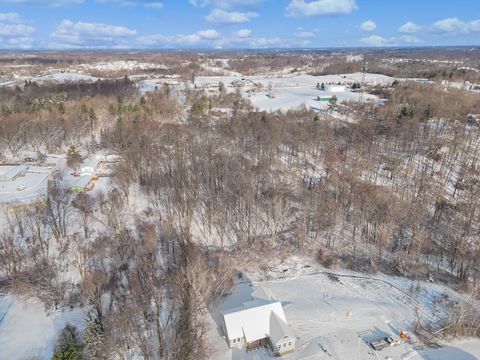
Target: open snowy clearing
25,188
62,77
27,331
465,350
336,319
32,185
120,65
291,92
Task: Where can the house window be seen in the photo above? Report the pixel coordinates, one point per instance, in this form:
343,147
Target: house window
234,341
280,346
289,343
284,344
238,340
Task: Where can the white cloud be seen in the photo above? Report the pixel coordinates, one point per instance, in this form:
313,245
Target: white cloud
218,16
91,35
169,40
9,17
147,4
48,3
243,33
302,8
304,34
209,34
368,25
250,42
409,39
154,5
16,30
244,39
160,40
14,33
64,3
409,27
474,25
118,2
210,38
455,26
449,25
16,43
227,4
375,40
265,42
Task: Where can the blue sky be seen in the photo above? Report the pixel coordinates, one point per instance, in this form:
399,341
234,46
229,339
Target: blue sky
224,24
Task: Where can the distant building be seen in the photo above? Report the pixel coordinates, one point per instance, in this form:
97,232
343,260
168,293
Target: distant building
14,173
259,322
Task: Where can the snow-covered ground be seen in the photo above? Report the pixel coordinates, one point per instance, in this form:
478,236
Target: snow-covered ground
120,66
150,85
459,350
336,319
27,331
26,188
66,77
32,185
290,92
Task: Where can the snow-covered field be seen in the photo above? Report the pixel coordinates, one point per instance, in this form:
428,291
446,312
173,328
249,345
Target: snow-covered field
26,188
66,77
273,92
120,66
337,319
292,91
27,331
32,185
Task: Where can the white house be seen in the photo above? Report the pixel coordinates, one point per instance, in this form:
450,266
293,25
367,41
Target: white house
259,322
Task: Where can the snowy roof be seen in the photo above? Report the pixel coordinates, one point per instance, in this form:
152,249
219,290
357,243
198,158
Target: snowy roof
279,329
252,321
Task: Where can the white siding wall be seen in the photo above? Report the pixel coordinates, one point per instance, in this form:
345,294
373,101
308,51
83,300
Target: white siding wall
285,345
236,342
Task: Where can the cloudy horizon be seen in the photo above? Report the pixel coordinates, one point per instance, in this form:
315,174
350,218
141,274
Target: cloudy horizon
234,24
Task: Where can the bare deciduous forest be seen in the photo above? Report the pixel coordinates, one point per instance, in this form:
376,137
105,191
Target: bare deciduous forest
198,196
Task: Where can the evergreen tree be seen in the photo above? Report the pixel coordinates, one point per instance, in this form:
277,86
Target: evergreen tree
74,159
68,347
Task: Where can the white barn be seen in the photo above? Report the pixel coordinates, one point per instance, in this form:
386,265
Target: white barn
260,322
